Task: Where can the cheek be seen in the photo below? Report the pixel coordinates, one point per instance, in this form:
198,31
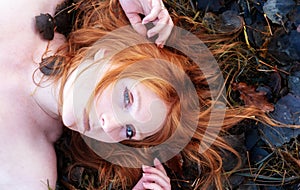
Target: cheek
103,102
153,117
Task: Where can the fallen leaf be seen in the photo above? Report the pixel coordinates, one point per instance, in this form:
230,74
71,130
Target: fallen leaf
51,65
211,5
45,25
276,10
251,97
227,23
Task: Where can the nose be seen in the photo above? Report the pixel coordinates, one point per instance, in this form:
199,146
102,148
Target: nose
109,124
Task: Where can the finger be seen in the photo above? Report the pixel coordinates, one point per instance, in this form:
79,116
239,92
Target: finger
163,20
154,178
159,166
136,22
139,185
156,8
164,34
152,170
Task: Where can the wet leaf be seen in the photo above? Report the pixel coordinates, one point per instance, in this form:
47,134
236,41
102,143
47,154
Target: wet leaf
228,22
50,65
276,10
252,137
287,112
45,26
277,136
285,47
64,14
294,81
211,5
294,18
257,154
251,97
275,82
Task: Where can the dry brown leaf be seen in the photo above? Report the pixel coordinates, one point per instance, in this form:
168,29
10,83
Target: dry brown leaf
251,97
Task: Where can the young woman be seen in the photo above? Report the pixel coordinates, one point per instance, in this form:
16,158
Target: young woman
108,70
31,113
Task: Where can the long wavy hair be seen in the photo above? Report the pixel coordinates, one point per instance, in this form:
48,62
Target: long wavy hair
135,57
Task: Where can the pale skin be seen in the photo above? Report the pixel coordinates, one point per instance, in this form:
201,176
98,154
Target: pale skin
29,119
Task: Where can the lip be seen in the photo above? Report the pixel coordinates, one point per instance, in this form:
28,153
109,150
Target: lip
86,122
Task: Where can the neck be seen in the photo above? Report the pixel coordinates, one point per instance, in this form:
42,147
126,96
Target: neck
46,95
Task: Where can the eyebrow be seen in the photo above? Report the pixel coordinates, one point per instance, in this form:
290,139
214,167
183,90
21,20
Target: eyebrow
138,100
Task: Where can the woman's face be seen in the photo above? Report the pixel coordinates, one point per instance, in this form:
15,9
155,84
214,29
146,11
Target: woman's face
123,111
127,110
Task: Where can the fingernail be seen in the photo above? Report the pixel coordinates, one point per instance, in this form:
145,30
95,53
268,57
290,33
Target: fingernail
145,21
144,167
156,161
160,44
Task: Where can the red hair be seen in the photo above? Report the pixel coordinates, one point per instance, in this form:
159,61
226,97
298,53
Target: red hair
95,20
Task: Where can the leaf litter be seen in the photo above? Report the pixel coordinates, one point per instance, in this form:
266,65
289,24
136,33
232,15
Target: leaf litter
259,55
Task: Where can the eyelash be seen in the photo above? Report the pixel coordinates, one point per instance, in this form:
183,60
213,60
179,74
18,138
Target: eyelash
128,99
130,132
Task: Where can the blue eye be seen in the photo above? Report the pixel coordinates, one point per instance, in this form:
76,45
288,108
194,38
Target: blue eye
128,98
130,132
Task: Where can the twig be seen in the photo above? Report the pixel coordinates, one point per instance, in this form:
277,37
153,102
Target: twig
272,67
269,26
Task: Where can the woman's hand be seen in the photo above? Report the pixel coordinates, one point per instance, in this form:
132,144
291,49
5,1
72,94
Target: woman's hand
154,178
155,12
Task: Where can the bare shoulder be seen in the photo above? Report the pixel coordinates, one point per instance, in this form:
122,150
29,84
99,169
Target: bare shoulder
26,164
27,156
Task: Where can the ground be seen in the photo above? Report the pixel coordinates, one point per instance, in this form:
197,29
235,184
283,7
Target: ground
261,67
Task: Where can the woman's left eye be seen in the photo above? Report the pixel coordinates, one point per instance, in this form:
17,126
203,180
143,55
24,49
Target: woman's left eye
130,131
128,98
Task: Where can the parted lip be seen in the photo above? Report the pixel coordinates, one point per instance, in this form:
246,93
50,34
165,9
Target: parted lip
86,121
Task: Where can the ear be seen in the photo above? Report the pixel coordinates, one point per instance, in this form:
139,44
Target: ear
100,54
